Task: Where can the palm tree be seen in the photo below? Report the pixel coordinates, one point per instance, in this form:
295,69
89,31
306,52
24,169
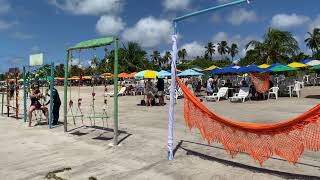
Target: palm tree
313,41
156,58
276,44
210,49
182,53
223,48
233,50
134,57
166,58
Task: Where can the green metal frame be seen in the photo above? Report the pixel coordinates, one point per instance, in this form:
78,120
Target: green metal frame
91,44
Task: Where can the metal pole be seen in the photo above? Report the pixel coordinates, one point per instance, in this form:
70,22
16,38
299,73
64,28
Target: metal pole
210,9
65,110
17,94
24,95
51,94
115,139
173,68
2,102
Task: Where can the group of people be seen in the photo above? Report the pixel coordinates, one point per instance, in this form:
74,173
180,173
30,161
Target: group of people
152,92
36,96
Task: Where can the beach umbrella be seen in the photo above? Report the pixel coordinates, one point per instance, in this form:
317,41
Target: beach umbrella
282,68
306,61
211,68
313,63
87,77
131,75
264,66
74,78
96,76
251,68
123,75
147,74
163,74
297,65
316,67
190,72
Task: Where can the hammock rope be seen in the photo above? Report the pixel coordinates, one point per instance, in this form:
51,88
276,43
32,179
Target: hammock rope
260,141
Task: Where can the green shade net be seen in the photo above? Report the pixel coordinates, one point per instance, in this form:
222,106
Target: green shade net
317,67
282,68
93,43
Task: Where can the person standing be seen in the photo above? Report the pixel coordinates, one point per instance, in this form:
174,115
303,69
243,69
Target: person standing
160,87
149,92
56,106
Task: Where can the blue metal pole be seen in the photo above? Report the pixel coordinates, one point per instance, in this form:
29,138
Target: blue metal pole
209,9
51,94
24,94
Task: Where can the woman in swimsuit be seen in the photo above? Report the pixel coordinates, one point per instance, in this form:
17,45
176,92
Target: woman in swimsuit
35,104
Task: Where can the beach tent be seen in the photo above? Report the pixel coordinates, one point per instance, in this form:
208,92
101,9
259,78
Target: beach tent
163,74
190,72
146,74
282,68
131,75
313,63
297,65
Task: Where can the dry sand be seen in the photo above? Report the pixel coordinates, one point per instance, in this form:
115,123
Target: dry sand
31,153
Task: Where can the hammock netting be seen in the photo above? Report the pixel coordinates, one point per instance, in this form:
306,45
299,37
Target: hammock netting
260,141
260,81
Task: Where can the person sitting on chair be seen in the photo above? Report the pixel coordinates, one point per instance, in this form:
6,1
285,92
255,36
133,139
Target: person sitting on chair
35,103
56,106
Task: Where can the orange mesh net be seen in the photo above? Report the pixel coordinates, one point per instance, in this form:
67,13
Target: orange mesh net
260,81
286,139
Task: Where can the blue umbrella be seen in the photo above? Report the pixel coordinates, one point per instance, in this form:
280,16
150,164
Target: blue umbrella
252,68
305,61
163,73
96,76
190,72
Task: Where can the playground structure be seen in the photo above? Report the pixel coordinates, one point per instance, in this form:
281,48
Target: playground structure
91,44
31,75
260,141
12,91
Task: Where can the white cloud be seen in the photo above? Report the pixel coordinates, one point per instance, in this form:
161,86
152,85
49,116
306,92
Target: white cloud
6,25
149,32
240,16
176,4
4,6
21,35
315,23
194,49
285,21
109,25
89,7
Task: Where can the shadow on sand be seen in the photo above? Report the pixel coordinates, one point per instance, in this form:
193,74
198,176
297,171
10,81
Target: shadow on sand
313,97
123,135
286,175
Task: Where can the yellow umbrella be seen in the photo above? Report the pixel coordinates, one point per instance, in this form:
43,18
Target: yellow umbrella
211,68
150,74
87,77
74,78
264,66
297,65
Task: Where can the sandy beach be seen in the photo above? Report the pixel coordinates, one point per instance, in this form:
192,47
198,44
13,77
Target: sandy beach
31,153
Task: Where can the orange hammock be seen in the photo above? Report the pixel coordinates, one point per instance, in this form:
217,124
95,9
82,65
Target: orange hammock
286,139
260,81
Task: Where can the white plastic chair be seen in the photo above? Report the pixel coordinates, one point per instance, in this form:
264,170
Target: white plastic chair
297,89
273,91
242,95
120,93
216,96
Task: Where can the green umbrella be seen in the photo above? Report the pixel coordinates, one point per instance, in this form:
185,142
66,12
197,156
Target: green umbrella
317,67
282,68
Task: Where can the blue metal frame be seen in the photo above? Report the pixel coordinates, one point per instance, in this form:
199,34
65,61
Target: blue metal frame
173,66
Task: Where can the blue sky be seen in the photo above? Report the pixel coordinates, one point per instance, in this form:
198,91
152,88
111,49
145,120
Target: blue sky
49,26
